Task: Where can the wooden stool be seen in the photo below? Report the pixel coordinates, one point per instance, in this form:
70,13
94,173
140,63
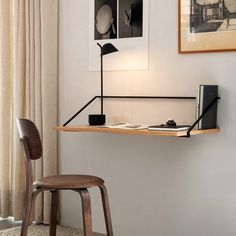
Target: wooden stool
32,148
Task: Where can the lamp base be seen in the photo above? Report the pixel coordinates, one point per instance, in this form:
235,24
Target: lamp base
97,119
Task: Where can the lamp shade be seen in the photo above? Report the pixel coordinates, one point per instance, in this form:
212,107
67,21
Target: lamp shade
107,49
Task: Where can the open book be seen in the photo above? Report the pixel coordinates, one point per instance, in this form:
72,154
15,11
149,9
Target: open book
125,125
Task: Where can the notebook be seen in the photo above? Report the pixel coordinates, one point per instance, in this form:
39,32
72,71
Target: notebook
168,128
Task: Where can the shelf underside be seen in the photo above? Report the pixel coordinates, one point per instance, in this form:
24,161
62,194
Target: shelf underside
99,129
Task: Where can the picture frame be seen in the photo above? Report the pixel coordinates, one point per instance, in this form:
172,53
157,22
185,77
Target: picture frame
129,34
206,26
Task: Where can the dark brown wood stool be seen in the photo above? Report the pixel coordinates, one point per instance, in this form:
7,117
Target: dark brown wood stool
32,148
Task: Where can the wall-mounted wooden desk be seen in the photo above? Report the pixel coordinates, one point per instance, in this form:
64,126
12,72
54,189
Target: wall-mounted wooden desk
96,129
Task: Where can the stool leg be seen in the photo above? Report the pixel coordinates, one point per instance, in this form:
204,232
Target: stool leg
53,217
86,208
106,210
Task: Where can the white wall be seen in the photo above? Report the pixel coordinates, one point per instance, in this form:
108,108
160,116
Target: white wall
157,185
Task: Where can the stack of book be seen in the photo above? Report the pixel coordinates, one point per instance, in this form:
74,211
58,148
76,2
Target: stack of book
206,94
168,128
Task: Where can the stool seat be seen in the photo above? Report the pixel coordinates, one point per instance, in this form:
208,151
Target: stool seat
68,182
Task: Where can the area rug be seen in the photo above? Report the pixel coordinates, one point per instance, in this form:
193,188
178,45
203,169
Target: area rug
42,230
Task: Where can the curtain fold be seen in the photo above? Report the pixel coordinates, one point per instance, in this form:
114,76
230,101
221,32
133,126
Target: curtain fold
28,87
6,69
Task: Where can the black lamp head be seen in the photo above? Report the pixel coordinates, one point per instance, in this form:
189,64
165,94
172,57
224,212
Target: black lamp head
107,48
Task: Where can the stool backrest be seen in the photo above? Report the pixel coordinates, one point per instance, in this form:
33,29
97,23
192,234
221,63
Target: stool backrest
30,139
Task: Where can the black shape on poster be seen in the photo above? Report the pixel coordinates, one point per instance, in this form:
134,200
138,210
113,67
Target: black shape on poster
105,19
109,25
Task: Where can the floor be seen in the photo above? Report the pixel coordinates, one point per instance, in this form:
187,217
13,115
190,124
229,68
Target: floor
8,223
37,230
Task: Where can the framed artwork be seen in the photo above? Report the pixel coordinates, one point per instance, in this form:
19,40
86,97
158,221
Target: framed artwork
207,26
124,23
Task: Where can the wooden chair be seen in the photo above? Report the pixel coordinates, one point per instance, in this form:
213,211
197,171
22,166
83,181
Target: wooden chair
32,148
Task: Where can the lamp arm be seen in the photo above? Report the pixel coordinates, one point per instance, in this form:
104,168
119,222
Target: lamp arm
101,84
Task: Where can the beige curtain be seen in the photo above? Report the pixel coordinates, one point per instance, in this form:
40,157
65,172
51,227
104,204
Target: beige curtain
28,88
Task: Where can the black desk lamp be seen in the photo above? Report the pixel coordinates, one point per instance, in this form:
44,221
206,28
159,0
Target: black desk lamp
100,119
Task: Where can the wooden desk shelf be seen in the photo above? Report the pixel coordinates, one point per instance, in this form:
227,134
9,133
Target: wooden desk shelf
96,129
99,129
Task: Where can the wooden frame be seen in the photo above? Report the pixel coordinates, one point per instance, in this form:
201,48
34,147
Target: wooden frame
206,27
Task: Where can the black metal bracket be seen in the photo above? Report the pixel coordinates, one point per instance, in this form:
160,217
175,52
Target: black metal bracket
202,115
150,97
125,97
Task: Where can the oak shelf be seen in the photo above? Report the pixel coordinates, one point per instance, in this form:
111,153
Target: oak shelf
99,129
